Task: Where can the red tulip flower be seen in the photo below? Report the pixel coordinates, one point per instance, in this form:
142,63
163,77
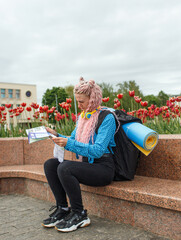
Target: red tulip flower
164,108
153,106
144,104
37,106
116,100
176,111
23,104
131,93
67,105
41,109
131,113
34,105
45,108
120,96
14,110
137,99
178,99
68,100
50,111
58,117
2,108
168,103
118,104
73,117
172,99
115,106
21,110
62,105
8,105
167,114
106,99
28,109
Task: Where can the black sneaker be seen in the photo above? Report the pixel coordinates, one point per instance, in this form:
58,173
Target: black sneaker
55,217
73,221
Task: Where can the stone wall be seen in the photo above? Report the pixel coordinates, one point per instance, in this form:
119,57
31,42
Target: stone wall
163,162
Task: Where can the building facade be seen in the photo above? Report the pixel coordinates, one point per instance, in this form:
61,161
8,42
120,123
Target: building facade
15,94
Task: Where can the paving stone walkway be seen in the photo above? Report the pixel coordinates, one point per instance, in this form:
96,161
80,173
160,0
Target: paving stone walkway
21,216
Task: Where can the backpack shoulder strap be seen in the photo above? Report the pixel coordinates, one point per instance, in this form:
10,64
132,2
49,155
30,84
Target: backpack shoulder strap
101,117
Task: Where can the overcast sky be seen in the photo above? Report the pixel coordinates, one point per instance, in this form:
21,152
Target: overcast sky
53,43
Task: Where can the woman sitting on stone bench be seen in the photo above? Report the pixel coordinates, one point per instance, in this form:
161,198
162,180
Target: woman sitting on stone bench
95,168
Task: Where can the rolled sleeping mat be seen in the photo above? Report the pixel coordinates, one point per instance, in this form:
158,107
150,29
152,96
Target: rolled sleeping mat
144,138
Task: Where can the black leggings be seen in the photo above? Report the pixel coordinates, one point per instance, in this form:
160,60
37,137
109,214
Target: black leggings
65,178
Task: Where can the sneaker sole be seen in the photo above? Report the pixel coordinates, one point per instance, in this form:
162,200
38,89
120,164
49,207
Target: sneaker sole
51,224
82,224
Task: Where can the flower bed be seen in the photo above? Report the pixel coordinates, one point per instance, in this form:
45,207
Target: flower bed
164,120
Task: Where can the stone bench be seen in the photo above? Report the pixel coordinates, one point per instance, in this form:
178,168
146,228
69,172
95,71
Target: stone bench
151,201
162,193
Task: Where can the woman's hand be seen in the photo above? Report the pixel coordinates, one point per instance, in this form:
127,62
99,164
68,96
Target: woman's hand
51,131
60,141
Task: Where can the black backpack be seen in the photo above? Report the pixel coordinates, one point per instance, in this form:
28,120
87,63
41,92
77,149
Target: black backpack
126,155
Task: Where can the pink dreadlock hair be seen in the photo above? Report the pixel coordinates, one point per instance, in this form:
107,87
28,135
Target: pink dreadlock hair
86,128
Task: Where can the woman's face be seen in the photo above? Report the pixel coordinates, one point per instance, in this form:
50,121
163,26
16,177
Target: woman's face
83,101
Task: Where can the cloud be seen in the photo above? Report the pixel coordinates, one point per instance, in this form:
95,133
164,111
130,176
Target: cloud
54,43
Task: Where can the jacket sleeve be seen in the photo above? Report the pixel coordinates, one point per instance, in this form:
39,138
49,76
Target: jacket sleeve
105,133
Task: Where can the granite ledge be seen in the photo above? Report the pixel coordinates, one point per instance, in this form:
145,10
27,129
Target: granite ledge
34,172
151,191
170,136
161,136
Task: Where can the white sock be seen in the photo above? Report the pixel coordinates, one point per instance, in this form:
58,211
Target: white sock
65,208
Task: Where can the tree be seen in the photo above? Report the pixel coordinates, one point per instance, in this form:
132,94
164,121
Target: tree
162,97
52,97
152,99
124,88
107,91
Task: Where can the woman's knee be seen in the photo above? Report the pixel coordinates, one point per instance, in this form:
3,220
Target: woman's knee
51,163
64,168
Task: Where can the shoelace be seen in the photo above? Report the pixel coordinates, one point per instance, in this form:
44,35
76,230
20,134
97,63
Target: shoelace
77,214
52,207
69,216
53,214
